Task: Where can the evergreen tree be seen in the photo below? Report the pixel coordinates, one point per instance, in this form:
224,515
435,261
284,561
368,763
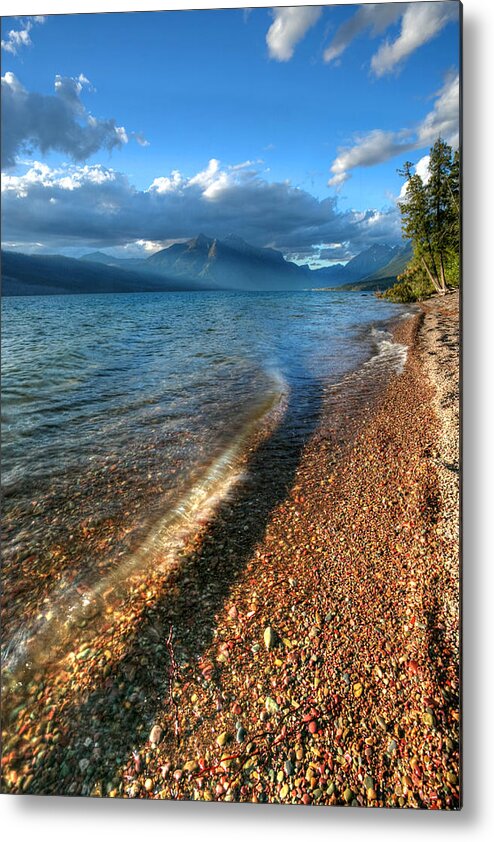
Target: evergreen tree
417,223
454,199
430,213
439,204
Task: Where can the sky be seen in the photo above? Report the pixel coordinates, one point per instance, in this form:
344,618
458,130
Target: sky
286,126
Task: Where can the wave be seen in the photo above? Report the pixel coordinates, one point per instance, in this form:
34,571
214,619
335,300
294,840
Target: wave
389,351
51,636
386,358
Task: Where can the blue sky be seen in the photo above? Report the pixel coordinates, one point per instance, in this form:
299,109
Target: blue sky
305,114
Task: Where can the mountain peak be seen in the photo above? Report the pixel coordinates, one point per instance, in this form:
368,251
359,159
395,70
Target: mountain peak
234,238
96,255
200,241
227,263
369,260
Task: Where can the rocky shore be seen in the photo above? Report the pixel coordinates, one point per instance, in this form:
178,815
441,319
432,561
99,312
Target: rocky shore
306,650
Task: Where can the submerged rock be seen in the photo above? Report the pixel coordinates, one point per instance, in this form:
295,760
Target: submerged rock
155,734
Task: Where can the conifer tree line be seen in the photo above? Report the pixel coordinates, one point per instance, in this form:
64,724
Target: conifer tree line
431,220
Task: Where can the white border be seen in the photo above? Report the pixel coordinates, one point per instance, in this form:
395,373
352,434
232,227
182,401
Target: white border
52,819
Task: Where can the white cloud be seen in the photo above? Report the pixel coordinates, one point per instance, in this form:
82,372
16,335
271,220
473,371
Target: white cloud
95,206
420,23
246,164
288,28
18,38
13,84
140,139
150,246
64,178
422,169
378,146
165,184
443,120
122,134
374,16
70,89
208,176
213,181
56,122
370,149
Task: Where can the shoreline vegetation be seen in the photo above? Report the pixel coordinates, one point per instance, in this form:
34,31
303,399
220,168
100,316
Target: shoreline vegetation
305,649
431,221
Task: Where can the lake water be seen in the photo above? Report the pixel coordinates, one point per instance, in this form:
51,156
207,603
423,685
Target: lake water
124,418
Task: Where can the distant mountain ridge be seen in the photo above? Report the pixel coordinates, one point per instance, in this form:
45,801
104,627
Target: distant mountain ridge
230,263
386,275
202,263
24,274
361,266
118,262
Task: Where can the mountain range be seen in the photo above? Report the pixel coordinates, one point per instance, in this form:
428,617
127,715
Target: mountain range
202,263
379,263
230,263
52,274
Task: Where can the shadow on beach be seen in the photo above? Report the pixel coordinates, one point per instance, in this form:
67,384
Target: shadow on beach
106,710
108,722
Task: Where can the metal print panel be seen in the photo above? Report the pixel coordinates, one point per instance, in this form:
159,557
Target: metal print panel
230,405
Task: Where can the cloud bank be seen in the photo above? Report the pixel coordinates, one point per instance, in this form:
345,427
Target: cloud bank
290,25
378,146
96,206
58,122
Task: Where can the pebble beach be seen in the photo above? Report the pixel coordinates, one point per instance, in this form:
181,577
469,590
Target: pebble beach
303,646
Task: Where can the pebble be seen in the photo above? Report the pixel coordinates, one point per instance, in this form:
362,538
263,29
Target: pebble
271,705
348,795
372,551
155,734
270,638
191,766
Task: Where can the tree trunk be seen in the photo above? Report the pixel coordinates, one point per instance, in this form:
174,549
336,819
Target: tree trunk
435,283
443,279
434,274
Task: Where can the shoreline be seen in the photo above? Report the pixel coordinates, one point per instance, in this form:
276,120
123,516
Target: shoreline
352,697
